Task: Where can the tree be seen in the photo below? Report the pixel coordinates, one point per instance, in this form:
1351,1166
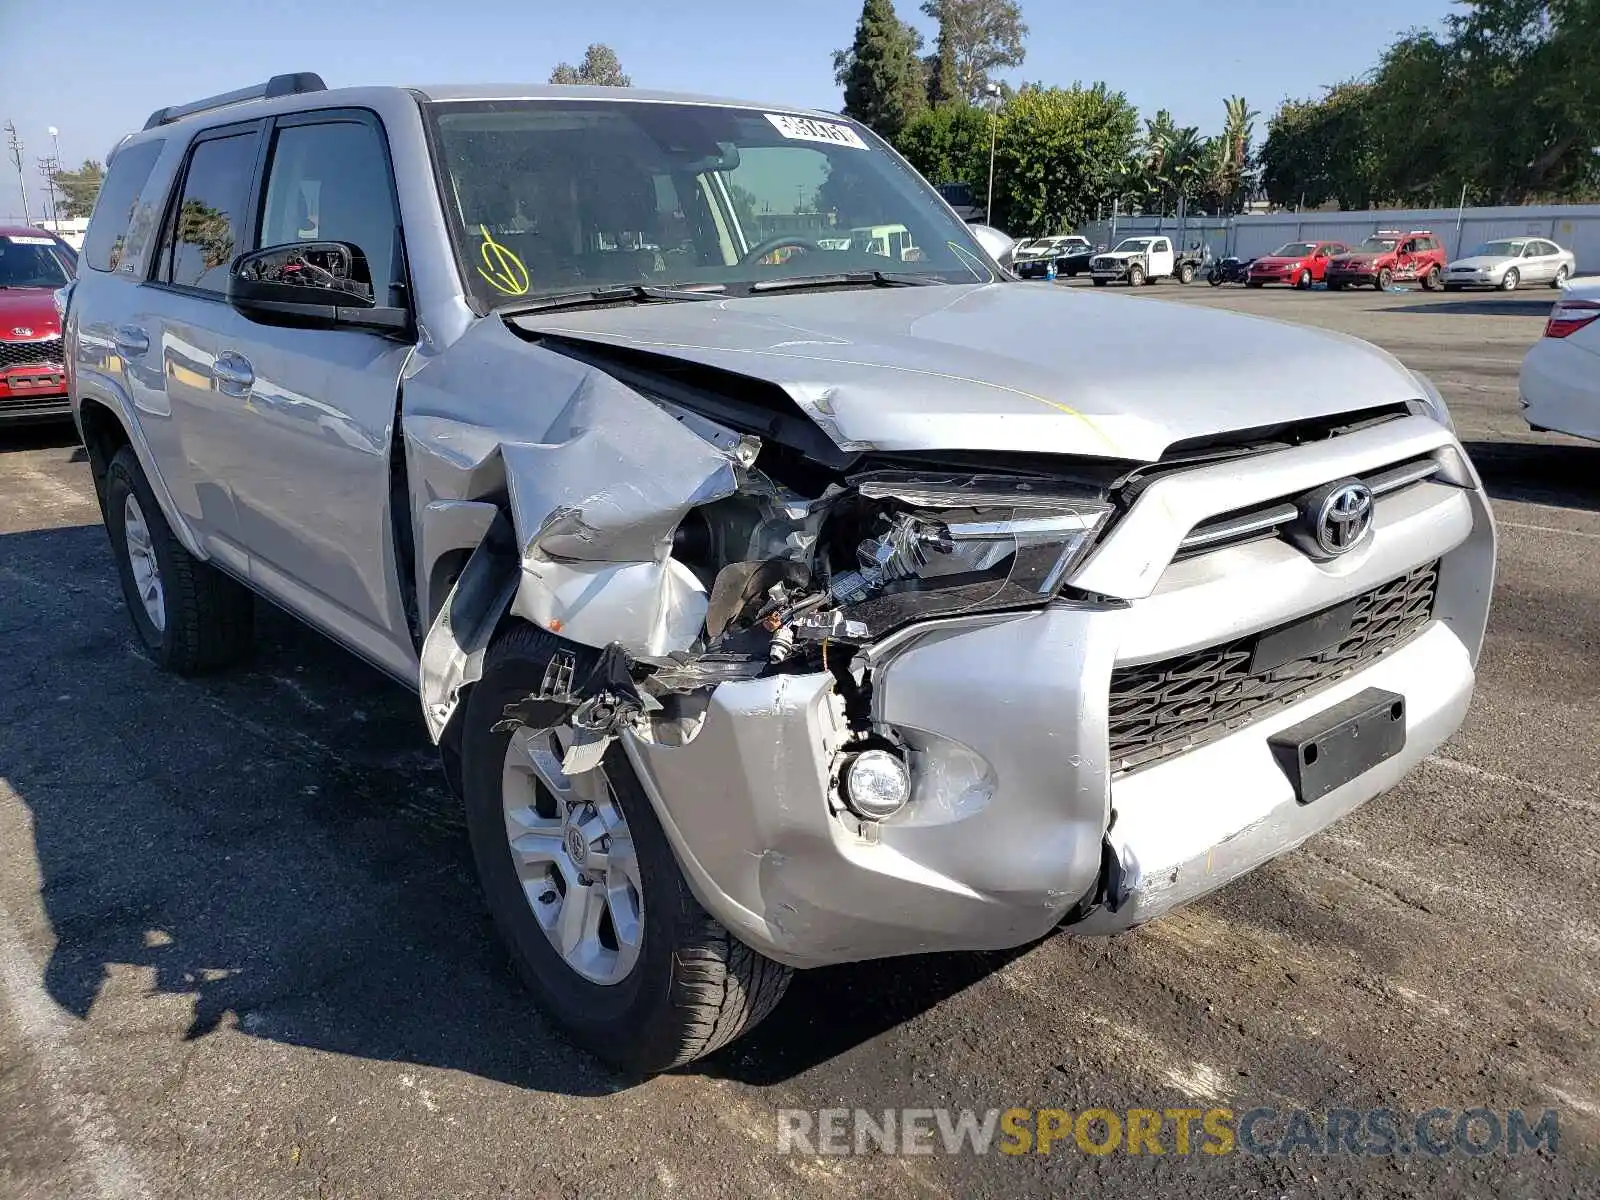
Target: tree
1059,155
940,66
982,35
1322,150
881,73
78,189
600,68
948,144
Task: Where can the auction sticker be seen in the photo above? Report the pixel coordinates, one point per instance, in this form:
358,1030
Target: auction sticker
805,129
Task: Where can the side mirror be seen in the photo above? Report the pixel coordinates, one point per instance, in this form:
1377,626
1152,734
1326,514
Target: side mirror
999,247
311,285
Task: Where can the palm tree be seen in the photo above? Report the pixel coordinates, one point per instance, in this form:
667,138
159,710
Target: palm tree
1184,152
1238,126
1156,181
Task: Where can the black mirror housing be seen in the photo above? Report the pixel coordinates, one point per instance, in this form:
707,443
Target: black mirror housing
314,285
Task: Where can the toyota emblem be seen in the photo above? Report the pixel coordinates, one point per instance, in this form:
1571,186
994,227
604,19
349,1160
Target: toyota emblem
21,331
1343,518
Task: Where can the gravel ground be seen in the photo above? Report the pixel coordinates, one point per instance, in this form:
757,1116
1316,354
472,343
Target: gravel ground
242,954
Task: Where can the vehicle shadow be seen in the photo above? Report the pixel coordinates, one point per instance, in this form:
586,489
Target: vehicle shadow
1563,474
44,435
278,845
1518,304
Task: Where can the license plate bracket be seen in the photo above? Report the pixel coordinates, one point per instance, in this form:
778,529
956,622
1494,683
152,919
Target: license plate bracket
1328,750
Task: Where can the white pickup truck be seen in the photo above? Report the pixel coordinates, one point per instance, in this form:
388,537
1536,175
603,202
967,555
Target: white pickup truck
1142,260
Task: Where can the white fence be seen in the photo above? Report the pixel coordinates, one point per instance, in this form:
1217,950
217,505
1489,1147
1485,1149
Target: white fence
1574,227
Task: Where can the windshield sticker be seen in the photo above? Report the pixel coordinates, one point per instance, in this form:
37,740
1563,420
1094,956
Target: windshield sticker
501,266
804,129
18,239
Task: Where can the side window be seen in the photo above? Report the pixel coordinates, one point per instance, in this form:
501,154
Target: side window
330,182
208,229
112,226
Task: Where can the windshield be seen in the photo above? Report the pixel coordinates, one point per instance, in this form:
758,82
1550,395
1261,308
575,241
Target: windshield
1377,245
1505,249
28,262
554,196
1294,250
1129,244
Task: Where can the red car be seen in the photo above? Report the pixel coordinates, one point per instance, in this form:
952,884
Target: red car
1389,257
33,381
1298,264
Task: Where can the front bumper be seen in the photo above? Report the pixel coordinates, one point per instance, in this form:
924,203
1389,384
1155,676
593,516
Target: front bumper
34,393
1351,278
1017,820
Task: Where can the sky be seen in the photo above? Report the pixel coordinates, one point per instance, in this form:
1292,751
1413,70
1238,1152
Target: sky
102,68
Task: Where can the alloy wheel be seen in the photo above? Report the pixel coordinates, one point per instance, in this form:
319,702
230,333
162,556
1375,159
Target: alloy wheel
574,856
142,558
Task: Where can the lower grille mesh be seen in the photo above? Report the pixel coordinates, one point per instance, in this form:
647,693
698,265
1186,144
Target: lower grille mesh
1164,708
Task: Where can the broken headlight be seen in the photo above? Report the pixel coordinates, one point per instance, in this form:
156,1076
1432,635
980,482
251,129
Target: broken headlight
909,548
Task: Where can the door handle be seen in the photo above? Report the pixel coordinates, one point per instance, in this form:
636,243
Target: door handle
234,374
130,339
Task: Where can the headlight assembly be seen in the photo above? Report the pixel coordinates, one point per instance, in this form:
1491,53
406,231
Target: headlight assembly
908,548
1432,403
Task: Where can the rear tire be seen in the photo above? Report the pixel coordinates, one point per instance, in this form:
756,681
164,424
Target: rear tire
1186,273
1561,277
189,616
690,987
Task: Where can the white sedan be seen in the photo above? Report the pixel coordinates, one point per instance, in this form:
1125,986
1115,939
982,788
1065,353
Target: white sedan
1510,262
1560,382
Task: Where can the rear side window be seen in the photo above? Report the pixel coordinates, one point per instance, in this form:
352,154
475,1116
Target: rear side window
112,227
330,182
209,228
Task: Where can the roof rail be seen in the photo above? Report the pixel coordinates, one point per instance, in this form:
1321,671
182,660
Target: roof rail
279,85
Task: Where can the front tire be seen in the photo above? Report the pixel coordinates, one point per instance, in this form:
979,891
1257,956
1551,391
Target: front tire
1303,281
584,888
1431,281
1384,280
1512,278
189,616
1098,282
1136,276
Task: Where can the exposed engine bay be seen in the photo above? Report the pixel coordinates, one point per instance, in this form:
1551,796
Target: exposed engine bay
744,557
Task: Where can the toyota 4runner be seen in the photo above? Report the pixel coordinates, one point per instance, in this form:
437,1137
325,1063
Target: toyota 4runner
775,598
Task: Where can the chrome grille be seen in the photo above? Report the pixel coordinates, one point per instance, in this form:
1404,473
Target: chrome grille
1164,708
17,354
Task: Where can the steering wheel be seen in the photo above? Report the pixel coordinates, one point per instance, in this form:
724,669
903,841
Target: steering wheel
761,249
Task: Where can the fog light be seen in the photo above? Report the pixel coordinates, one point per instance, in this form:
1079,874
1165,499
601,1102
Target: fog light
876,784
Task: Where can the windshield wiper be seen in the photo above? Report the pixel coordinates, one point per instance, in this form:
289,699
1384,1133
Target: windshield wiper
638,293
847,279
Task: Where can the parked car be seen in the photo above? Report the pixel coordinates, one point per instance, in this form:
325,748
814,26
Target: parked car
767,614
1298,264
1231,269
33,381
1560,380
1070,254
1389,257
1507,263
1141,260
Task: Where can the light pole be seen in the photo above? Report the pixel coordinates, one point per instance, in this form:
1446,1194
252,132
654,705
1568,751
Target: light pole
55,161
991,91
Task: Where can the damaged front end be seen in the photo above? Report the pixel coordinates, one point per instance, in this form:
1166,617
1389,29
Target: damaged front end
694,552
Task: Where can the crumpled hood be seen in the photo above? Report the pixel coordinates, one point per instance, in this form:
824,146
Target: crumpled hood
28,308
983,367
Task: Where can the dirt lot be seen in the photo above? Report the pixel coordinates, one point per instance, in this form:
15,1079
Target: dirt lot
241,952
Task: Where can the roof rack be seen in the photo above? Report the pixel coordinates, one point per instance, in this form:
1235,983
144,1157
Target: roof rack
279,85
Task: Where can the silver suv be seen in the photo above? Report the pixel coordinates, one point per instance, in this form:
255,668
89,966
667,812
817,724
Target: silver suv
773,594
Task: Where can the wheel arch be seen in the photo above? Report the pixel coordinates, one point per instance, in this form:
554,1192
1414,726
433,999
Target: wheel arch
105,430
